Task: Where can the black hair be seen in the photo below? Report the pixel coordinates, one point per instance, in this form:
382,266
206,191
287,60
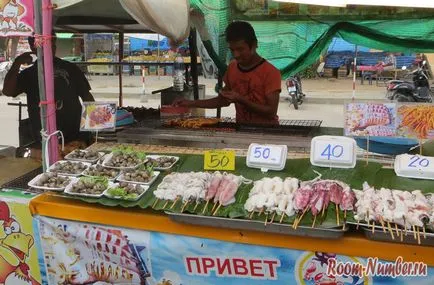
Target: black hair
240,30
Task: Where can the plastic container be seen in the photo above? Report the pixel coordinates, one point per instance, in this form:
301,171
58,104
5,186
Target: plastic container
178,73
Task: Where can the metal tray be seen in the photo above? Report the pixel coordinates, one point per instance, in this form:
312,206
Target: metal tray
379,235
252,225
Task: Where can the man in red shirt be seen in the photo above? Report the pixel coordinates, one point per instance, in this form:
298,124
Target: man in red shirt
251,82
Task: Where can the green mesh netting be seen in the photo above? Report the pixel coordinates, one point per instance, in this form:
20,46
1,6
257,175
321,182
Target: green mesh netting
295,41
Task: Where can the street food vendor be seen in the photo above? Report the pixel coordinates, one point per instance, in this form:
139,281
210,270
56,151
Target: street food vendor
251,83
70,84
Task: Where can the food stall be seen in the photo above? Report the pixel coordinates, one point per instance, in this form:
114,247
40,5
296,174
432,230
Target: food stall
192,202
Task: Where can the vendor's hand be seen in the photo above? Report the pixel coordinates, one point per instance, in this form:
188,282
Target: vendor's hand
231,96
24,58
181,102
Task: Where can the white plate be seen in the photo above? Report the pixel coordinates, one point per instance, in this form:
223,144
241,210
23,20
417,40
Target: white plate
110,179
163,168
122,179
69,192
68,157
51,168
110,155
32,184
114,185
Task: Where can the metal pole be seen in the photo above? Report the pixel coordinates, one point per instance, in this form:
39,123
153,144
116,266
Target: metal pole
193,59
354,75
219,87
158,56
121,57
37,9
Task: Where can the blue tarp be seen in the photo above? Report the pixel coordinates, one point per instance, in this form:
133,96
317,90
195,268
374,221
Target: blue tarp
141,44
339,44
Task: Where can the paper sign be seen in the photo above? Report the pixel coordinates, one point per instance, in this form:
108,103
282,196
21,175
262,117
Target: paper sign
219,160
98,116
414,166
267,156
16,18
370,119
416,120
333,151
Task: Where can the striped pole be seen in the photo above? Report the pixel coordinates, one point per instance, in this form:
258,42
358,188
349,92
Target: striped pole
142,96
354,75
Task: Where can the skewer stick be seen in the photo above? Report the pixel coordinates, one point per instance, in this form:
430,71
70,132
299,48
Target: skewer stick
174,203
260,212
206,206
373,227
266,219
396,229
345,214
195,206
251,215
418,235
272,217
424,233
165,204
216,210
183,206
382,225
281,217
301,217
390,230
414,232
213,207
323,210
402,235
357,226
155,203
314,220
337,214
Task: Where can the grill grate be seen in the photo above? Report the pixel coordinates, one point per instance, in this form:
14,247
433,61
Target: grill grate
21,182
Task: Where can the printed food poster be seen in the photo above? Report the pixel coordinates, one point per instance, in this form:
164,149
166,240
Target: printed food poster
416,120
370,119
80,253
16,18
98,116
18,253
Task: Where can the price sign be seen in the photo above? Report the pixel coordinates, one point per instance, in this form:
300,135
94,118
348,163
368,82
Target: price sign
414,166
333,151
267,156
98,116
219,160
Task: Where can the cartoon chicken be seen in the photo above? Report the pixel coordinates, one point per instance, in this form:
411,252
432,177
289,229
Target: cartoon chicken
11,10
14,250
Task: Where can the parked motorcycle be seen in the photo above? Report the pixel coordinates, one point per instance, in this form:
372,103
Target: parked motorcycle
417,90
294,87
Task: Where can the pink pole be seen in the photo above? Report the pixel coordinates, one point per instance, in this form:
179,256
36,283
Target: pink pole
47,25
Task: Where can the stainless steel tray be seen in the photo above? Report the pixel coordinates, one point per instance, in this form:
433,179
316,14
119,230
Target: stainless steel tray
253,225
379,235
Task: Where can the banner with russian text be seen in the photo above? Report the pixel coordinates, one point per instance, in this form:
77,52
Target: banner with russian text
80,253
16,18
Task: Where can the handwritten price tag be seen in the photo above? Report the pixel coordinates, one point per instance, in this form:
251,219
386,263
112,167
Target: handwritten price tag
267,156
219,160
333,151
414,166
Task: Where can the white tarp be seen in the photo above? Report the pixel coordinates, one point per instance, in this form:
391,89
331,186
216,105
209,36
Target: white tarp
170,18
166,17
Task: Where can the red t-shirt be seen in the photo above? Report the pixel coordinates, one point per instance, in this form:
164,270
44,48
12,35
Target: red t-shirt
255,84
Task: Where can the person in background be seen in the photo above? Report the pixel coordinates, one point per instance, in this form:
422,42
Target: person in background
70,84
251,83
389,62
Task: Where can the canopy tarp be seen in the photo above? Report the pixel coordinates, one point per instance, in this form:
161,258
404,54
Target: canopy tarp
168,17
293,36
